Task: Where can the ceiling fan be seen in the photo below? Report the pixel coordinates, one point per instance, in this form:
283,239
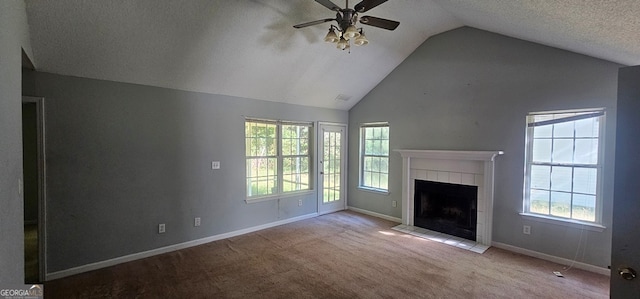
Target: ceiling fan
347,19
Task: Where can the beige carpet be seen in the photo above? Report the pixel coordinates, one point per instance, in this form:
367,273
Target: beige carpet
340,255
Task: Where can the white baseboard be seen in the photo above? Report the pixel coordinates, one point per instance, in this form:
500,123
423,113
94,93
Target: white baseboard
374,214
551,258
170,248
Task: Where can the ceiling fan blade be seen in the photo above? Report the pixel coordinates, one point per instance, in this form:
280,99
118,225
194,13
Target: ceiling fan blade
367,5
379,22
328,4
312,23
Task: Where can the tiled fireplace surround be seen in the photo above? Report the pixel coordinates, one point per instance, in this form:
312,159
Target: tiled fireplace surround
474,168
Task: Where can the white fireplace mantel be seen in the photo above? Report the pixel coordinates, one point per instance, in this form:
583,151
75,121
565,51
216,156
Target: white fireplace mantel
474,168
450,155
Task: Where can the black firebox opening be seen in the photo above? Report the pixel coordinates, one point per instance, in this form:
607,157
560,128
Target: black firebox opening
446,208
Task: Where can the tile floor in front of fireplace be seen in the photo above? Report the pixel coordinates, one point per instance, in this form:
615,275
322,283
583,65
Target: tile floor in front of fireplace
442,238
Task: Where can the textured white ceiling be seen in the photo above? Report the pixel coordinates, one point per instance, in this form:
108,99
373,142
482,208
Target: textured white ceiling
248,48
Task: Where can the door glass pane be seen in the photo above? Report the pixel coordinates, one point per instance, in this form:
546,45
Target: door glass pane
331,165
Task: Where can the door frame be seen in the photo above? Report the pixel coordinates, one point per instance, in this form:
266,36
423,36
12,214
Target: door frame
625,201
42,184
343,161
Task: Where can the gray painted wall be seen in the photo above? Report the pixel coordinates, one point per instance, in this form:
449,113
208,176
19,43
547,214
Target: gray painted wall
469,89
122,158
14,36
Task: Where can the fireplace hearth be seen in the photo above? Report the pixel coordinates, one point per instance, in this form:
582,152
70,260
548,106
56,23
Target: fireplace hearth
446,208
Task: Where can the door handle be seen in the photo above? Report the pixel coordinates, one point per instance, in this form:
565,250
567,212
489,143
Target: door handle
627,273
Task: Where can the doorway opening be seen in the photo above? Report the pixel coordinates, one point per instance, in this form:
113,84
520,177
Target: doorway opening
34,188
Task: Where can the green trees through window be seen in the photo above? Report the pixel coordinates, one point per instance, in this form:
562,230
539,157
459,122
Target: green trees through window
277,157
374,156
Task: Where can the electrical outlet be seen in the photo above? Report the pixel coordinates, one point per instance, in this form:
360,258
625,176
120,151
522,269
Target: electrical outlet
161,228
299,202
196,221
526,229
394,203
215,164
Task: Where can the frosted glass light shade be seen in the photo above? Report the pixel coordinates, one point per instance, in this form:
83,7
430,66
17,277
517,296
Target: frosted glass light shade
361,40
342,44
331,37
351,32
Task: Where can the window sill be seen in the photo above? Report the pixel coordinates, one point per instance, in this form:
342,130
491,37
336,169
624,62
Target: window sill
278,196
565,222
373,190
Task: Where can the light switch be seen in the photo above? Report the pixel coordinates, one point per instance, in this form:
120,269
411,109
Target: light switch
215,165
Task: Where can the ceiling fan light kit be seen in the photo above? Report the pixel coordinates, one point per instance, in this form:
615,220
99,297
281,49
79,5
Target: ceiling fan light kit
331,37
347,18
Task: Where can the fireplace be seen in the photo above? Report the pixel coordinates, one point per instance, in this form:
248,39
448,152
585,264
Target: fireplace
469,168
446,208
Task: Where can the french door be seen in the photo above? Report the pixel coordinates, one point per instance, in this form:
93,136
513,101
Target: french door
332,168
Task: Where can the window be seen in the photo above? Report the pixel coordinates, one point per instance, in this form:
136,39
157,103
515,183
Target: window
563,165
374,156
278,157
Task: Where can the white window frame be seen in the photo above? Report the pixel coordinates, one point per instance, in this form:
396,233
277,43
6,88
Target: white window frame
598,112
363,139
279,193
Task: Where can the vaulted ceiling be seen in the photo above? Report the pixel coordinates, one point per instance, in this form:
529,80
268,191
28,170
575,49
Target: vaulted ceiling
248,48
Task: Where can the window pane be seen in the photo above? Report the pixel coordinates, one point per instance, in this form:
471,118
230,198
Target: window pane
369,133
261,176
562,151
375,180
561,204
542,131
564,129
584,207
375,164
262,140
385,133
384,181
367,178
561,178
541,150
540,177
586,151
367,163
587,127
584,180
384,165
539,202
369,147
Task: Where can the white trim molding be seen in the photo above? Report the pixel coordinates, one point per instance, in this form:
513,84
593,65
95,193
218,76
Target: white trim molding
374,214
555,259
170,248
